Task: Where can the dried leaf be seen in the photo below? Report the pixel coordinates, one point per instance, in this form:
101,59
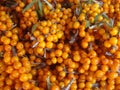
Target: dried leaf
29,6
1,54
34,27
40,8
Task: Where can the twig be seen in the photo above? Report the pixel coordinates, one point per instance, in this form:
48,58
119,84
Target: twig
69,84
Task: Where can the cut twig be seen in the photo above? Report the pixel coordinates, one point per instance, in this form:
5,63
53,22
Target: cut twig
14,51
73,38
69,85
1,54
45,51
35,45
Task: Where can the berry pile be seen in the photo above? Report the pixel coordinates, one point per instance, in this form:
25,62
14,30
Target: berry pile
60,45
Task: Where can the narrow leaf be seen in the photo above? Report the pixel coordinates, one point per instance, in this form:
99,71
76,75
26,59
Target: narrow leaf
96,18
111,23
50,5
29,6
105,15
87,24
80,8
40,8
34,27
48,82
89,1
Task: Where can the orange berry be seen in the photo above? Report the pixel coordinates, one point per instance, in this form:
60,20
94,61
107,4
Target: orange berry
76,25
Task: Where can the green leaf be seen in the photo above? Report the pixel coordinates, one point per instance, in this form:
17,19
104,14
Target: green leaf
105,15
48,82
90,1
40,8
49,4
111,23
96,18
29,6
87,24
34,27
80,8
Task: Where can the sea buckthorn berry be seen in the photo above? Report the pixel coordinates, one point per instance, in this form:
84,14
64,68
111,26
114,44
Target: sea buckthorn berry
81,17
114,31
58,53
49,45
19,46
17,65
53,78
15,74
113,40
82,33
107,44
112,75
81,85
95,60
93,68
23,77
76,25
35,44
99,73
65,55
26,85
54,60
9,69
76,58
84,44
9,81
45,30
54,87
